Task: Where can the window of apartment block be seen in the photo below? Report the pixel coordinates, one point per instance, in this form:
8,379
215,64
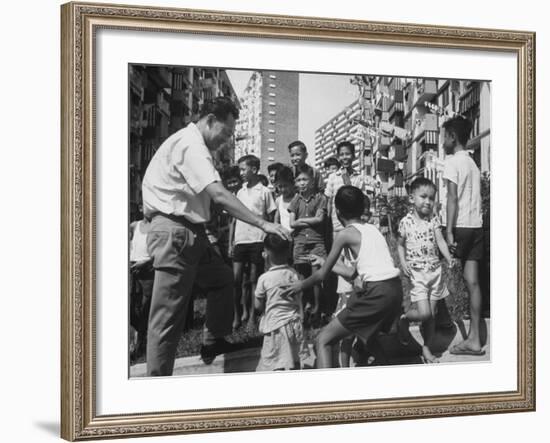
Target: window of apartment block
271,140
271,122
272,94
272,103
272,131
271,112
272,76
271,159
271,149
272,85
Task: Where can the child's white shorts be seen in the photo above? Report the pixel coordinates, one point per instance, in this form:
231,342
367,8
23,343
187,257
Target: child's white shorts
428,284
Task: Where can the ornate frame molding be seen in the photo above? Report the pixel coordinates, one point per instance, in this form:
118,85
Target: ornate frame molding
79,23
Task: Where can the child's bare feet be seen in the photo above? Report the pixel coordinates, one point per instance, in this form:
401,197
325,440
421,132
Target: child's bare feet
467,347
427,356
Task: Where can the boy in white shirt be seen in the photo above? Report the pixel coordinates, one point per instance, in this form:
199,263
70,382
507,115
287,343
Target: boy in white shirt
464,231
249,239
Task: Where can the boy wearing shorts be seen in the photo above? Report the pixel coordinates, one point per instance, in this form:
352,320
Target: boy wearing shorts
307,219
374,305
249,239
464,224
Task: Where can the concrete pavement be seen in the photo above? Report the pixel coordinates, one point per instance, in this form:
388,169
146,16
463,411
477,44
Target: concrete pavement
390,352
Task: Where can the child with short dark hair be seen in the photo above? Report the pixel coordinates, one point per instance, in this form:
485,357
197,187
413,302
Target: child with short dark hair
272,170
464,222
419,242
331,165
298,154
376,300
284,181
281,323
307,217
249,239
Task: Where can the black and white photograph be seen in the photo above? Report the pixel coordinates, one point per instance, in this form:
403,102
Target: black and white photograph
283,220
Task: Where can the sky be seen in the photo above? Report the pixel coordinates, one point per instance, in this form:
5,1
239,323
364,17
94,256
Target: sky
321,97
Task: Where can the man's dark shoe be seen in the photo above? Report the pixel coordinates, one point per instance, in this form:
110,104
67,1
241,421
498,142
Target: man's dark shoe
220,346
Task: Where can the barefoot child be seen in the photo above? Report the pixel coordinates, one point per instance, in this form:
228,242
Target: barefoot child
249,239
308,211
374,305
418,244
281,323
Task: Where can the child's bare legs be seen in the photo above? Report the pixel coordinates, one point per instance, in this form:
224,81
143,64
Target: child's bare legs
422,311
316,298
327,338
253,278
238,293
473,341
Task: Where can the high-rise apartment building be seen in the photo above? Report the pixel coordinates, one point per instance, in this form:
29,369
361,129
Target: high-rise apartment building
268,120
396,127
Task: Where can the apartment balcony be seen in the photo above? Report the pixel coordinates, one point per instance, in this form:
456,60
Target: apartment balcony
385,165
428,129
396,105
399,153
419,92
470,98
426,90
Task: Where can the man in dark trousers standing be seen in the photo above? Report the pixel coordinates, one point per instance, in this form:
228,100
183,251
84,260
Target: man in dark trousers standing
178,187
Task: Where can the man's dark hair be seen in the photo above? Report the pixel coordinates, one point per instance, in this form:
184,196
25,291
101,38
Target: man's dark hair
350,202
461,127
230,173
220,107
276,244
275,167
331,161
421,181
284,175
298,143
250,160
345,144
304,169
263,179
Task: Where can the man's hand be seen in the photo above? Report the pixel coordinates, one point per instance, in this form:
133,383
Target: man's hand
136,266
273,228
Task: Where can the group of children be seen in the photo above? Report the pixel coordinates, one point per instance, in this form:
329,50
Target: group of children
288,282
323,218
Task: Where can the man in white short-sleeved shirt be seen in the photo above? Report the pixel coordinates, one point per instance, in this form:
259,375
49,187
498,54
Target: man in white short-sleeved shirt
178,187
463,220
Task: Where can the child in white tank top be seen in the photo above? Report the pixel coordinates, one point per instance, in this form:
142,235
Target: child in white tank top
378,301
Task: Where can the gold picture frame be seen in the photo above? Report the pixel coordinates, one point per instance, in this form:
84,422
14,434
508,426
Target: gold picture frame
80,21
